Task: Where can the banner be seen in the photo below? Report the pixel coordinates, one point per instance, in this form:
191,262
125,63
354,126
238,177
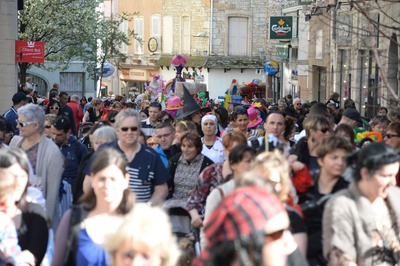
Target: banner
29,51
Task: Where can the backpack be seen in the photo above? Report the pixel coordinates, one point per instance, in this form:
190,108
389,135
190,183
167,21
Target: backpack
73,235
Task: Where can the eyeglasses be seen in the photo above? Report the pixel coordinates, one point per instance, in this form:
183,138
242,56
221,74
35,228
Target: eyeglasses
324,130
54,107
164,136
389,136
275,235
133,129
166,120
25,124
240,111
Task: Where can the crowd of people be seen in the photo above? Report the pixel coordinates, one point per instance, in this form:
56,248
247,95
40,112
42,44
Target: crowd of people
115,182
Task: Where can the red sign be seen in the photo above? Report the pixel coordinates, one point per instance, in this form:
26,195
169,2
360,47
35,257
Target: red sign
29,51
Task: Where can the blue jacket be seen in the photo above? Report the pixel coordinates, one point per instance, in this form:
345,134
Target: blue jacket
163,157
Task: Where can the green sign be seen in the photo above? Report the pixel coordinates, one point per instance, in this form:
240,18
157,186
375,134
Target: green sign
282,50
280,28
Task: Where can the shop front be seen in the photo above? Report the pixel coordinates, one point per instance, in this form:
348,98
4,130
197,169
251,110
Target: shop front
134,79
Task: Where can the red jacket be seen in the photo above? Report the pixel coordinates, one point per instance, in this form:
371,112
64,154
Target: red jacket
78,114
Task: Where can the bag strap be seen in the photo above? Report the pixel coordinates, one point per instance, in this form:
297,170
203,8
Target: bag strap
221,192
73,235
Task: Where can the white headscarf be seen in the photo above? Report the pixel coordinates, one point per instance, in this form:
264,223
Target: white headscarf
212,118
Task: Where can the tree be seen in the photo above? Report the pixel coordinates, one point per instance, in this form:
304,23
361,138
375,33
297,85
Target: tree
111,37
68,28
73,30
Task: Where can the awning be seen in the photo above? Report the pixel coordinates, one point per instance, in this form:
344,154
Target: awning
282,50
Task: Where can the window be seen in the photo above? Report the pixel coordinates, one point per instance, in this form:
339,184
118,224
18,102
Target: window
185,41
167,40
139,29
155,26
72,82
124,29
237,36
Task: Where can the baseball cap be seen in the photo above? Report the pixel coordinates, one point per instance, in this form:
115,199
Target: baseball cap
352,113
19,97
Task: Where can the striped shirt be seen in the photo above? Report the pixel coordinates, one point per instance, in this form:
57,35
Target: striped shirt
146,171
147,128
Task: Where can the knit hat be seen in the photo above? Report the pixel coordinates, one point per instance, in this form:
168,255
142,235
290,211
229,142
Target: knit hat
352,113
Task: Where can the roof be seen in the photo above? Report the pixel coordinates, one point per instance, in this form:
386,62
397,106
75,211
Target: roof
221,62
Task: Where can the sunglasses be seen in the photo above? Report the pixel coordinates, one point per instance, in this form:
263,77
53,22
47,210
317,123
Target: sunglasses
389,136
324,130
167,120
298,103
54,107
133,129
112,121
275,235
47,127
155,104
25,124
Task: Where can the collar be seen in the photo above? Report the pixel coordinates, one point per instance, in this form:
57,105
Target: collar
183,160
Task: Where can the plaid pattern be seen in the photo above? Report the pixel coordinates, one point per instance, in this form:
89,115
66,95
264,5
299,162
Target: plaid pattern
241,213
210,178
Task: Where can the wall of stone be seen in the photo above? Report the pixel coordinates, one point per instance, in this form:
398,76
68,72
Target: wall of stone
8,68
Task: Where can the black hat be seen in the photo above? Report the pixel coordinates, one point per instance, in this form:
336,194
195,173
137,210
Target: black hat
352,113
190,106
19,97
290,111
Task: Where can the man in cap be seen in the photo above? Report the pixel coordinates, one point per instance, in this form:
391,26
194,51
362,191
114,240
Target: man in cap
350,117
19,99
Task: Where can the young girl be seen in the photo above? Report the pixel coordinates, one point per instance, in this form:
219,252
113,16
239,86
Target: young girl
9,248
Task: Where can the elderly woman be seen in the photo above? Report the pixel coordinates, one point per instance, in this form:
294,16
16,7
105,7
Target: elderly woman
94,113
108,200
317,128
49,119
144,238
184,170
212,145
361,223
44,156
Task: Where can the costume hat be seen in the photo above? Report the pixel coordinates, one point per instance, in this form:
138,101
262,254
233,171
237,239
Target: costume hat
254,120
190,106
174,103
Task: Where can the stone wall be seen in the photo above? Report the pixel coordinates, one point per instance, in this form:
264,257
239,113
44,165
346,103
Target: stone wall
8,69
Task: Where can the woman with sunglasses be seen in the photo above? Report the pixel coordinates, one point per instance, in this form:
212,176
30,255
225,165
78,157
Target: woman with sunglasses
49,119
317,128
54,107
361,223
43,154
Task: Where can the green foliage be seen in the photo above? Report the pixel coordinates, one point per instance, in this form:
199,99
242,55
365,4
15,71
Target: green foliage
72,30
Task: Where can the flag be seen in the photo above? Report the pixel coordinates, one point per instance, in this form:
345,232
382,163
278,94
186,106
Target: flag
163,101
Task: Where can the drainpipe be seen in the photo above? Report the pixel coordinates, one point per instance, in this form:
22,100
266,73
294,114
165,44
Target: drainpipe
210,38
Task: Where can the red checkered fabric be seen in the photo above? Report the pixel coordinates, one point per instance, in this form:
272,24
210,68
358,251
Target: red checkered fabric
244,211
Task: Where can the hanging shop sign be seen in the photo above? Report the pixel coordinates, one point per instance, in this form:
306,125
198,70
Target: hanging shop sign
280,27
29,51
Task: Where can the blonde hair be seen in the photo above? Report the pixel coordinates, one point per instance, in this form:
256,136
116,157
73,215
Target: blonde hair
262,173
8,183
149,226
